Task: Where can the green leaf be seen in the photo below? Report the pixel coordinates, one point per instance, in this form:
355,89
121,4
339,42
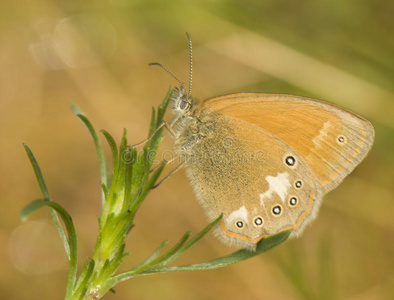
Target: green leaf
146,188
180,247
154,254
163,107
153,122
114,150
37,171
263,246
72,237
155,141
117,182
194,240
166,257
45,192
81,286
104,190
131,154
117,260
104,170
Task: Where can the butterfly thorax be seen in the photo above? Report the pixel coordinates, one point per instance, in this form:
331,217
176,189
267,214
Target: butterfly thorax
191,124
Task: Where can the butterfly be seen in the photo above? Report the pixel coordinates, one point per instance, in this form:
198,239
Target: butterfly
264,161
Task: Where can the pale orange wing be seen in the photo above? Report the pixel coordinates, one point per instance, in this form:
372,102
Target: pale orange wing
332,140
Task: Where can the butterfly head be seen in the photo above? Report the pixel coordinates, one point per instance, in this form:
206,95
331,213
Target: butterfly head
181,102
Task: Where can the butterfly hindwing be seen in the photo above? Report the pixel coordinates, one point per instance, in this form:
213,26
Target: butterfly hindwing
260,184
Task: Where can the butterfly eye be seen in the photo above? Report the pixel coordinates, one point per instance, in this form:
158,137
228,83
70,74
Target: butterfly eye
184,104
293,201
240,224
258,221
298,184
277,210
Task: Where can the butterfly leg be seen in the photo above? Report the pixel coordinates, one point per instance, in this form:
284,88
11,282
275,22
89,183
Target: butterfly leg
167,162
169,174
164,124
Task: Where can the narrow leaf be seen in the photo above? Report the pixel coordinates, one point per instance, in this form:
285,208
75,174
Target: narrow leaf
104,171
114,150
163,107
38,173
153,255
153,124
263,246
172,252
72,238
194,240
131,154
47,196
87,272
104,190
146,188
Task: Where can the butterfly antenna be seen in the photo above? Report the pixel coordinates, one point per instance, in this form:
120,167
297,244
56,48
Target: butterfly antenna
190,62
169,72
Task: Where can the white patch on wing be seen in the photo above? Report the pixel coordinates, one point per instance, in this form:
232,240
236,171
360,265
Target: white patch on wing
277,184
240,214
323,133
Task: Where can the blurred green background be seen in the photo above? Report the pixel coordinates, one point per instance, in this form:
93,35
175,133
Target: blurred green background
96,53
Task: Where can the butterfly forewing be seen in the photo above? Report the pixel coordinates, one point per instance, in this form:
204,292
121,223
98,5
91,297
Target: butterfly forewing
331,140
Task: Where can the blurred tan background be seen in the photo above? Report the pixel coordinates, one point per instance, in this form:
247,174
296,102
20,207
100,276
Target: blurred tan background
96,53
